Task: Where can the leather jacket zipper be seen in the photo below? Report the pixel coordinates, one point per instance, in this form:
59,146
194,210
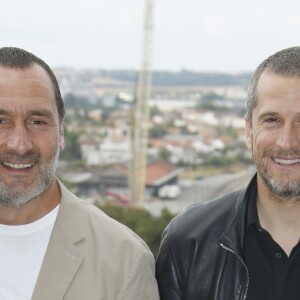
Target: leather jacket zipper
241,260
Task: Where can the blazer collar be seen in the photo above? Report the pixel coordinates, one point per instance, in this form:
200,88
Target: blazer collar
63,256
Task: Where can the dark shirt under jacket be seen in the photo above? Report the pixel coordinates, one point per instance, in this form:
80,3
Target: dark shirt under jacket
273,275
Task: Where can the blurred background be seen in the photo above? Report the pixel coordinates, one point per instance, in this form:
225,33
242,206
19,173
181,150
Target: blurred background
154,93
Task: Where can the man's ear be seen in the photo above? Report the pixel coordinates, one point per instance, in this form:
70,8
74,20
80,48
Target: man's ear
248,135
61,134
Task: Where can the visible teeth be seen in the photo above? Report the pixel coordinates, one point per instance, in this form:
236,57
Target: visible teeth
18,166
286,161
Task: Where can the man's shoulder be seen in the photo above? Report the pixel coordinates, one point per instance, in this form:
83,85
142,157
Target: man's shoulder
94,222
203,217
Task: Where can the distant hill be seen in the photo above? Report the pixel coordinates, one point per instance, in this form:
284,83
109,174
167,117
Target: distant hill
182,78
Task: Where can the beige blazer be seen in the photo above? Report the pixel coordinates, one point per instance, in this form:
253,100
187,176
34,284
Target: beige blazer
93,257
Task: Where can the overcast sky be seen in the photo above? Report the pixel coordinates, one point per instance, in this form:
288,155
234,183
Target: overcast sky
211,35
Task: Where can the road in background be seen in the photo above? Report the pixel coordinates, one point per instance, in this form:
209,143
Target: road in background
194,191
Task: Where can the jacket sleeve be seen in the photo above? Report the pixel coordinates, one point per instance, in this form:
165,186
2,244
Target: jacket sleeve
167,273
140,283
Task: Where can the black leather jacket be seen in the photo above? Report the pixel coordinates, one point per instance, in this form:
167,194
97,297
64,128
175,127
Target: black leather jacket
201,254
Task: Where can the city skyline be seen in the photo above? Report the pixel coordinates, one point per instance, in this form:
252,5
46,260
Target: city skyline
214,36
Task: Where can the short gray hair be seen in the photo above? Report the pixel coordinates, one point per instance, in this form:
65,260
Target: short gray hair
285,63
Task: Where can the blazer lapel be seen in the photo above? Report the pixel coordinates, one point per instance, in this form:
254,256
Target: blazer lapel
63,256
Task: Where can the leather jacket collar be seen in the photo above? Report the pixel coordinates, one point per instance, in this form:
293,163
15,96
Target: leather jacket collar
234,233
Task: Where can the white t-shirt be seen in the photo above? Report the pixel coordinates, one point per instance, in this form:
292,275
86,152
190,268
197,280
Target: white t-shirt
22,250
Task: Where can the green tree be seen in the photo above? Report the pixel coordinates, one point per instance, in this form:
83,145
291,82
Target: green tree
154,111
158,131
212,96
72,149
148,227
164,153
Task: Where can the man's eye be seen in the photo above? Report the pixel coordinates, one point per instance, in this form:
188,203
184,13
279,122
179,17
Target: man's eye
271,120
3,121
38,122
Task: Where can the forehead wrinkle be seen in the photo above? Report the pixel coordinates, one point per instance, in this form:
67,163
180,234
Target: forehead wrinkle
25,81
12,91
268,113
39,112
41,109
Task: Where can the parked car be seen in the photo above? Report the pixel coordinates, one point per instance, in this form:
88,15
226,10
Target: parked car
199,177
169,191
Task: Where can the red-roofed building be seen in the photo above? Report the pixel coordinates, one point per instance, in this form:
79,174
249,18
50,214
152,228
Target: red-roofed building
114,179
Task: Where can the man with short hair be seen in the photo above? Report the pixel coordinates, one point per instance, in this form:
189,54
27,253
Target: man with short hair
245,245
53,245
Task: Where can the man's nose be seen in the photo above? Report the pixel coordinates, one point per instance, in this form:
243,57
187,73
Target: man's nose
19,140
289,137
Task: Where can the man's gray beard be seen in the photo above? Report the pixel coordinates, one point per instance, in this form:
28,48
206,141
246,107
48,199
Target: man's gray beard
289,192
15,197
284,192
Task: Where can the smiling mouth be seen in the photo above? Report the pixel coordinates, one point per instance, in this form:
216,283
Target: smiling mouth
17,166
286,162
